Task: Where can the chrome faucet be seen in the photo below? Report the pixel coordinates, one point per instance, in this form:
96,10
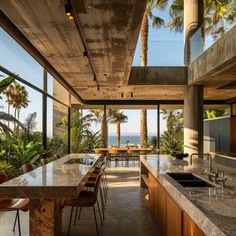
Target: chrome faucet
216,176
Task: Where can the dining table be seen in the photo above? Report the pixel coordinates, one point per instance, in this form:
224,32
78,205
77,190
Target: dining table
47,186
113,150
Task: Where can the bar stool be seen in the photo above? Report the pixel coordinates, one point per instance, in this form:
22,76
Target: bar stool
86,198
13,204
44,161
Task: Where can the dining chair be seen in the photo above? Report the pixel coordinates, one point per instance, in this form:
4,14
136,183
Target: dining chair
86,198
44,161
13,204
27,168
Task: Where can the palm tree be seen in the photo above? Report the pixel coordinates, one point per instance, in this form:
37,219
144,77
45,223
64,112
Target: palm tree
17,97
4,117
214,11
98,116
79,131
156,22
118,118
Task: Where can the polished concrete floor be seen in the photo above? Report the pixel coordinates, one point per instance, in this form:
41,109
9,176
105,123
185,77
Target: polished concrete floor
126,210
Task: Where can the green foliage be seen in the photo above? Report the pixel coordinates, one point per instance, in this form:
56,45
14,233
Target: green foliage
9,169
172,139
153,141
55,145
212,113
5,83
92,141
25,152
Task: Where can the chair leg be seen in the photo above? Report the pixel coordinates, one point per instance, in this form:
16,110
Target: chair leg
19,223
99,211
75,218
71,214
80,209
16,217
102,202
95,217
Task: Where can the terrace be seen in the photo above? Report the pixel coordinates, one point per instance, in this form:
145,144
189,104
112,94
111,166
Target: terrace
69,74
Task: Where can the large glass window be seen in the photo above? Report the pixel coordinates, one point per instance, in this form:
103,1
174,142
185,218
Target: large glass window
56,90
15,59
57,128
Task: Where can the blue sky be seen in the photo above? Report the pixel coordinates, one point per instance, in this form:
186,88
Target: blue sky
164,48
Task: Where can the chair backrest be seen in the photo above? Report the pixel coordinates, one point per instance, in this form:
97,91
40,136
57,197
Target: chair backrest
3,177
57,156
44,161
27,168
97,183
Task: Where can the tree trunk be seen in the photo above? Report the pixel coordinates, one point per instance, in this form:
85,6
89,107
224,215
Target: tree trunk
9,110
144,50
144,40
15,121
104,130
118,134
143,128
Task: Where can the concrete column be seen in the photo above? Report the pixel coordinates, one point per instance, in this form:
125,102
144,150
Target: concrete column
233,128
193,19
193,119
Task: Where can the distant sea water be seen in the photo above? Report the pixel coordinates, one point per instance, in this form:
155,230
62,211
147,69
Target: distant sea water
133,139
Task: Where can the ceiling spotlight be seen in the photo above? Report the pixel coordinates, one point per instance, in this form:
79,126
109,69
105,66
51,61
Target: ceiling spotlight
68,11
85,55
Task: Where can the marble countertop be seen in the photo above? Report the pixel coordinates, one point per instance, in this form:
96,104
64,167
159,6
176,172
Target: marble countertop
58,179
212,208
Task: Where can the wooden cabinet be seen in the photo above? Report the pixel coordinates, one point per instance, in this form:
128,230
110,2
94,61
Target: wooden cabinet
173,218
190,228
159,198
151,187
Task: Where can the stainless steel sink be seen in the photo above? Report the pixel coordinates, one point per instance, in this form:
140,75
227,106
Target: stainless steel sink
189,180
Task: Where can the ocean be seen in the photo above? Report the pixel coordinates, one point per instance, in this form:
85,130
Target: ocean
133,139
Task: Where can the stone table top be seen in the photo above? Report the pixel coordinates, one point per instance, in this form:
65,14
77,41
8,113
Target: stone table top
57,179
212,208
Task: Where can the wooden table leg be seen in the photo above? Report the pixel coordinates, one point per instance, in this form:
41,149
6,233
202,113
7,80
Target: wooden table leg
45,217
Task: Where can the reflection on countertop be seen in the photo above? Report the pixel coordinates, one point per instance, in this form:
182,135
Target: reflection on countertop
54,180
212,208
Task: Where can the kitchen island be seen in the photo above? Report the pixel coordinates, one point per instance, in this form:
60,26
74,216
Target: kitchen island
46,186
186,211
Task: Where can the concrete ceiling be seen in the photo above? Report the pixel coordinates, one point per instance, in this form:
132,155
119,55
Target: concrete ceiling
110,30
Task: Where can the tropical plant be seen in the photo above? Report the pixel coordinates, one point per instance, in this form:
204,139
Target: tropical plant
214,11
92,141
172,139
153,141
55,145
156,22
25,152
30,124
9,169
98,117
4,117
83,139
118,118
211,113
17,97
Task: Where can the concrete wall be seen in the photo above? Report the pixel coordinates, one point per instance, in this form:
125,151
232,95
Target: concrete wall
217,135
